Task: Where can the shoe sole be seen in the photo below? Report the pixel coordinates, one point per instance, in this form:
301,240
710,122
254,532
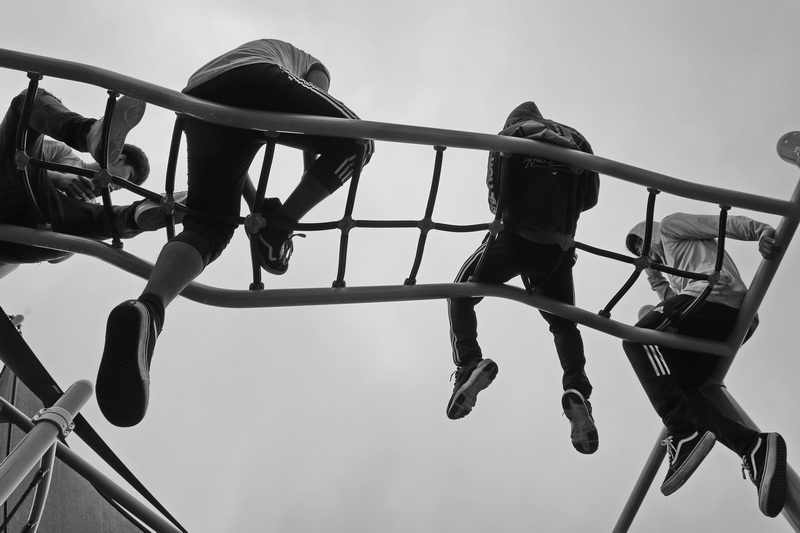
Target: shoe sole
123,380
465,398
772,492
584,432
689,465
151,217
128,112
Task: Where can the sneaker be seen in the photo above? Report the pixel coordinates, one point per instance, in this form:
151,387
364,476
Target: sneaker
123,380
152,216
766,464
274,245
470,380
579,412
684,458
127,114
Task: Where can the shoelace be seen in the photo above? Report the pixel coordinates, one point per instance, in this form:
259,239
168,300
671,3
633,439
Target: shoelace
746,467
288,246
456,373
671,450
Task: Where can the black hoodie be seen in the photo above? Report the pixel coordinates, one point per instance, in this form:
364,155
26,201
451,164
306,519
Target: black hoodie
543,198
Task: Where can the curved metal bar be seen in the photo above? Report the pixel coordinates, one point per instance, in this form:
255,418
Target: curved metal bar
242,299
337,127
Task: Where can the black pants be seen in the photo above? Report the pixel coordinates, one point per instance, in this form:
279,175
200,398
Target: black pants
220,156
672,378
550,269
66,215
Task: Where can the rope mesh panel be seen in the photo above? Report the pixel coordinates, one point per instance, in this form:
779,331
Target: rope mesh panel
255,221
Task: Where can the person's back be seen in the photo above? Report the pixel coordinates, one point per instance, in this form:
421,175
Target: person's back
541,202
542,198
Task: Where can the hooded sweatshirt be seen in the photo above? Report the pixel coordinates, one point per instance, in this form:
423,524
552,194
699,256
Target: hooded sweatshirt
543,198
689,242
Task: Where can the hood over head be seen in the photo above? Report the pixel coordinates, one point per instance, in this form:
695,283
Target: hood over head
523,113
638,231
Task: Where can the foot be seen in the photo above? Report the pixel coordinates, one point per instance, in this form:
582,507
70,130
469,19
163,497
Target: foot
685,453
123,380
579,412
127,114
152,216
470,380
766,465
274,245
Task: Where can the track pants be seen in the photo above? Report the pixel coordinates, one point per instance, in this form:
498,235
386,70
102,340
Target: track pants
673,378
550,270
220,156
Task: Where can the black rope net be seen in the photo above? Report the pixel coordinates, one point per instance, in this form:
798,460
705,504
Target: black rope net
254,221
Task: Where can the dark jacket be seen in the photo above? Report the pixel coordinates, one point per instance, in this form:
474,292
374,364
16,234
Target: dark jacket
543,198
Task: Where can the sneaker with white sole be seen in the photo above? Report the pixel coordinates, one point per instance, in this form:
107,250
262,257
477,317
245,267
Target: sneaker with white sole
123,380
766,465
685,453
275,245
470,380
128,112
578,411
152,216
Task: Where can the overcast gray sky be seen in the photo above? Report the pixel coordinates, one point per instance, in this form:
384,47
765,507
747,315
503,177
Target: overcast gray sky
333,418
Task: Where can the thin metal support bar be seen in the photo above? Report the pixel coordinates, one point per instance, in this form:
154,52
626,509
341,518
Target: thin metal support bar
42,490
37,478
712,278
496,226
174,151
21,157
346,223
172,165
426,224
256,219
103,174
648,225
651,466
100,481
639,265
33,446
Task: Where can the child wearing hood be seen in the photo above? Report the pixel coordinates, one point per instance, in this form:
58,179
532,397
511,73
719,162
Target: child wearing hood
542,200
672,378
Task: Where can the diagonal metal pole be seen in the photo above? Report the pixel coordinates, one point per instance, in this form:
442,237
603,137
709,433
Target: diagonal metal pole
24,457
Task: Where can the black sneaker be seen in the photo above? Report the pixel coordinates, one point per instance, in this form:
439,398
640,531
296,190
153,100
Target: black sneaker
123,380
684,457
470,380
766,464
274,245
579,412
128,112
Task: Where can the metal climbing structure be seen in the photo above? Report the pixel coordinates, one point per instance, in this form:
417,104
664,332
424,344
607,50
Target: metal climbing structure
61,415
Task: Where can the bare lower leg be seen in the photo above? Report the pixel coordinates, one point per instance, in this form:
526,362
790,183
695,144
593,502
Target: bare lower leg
178,265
